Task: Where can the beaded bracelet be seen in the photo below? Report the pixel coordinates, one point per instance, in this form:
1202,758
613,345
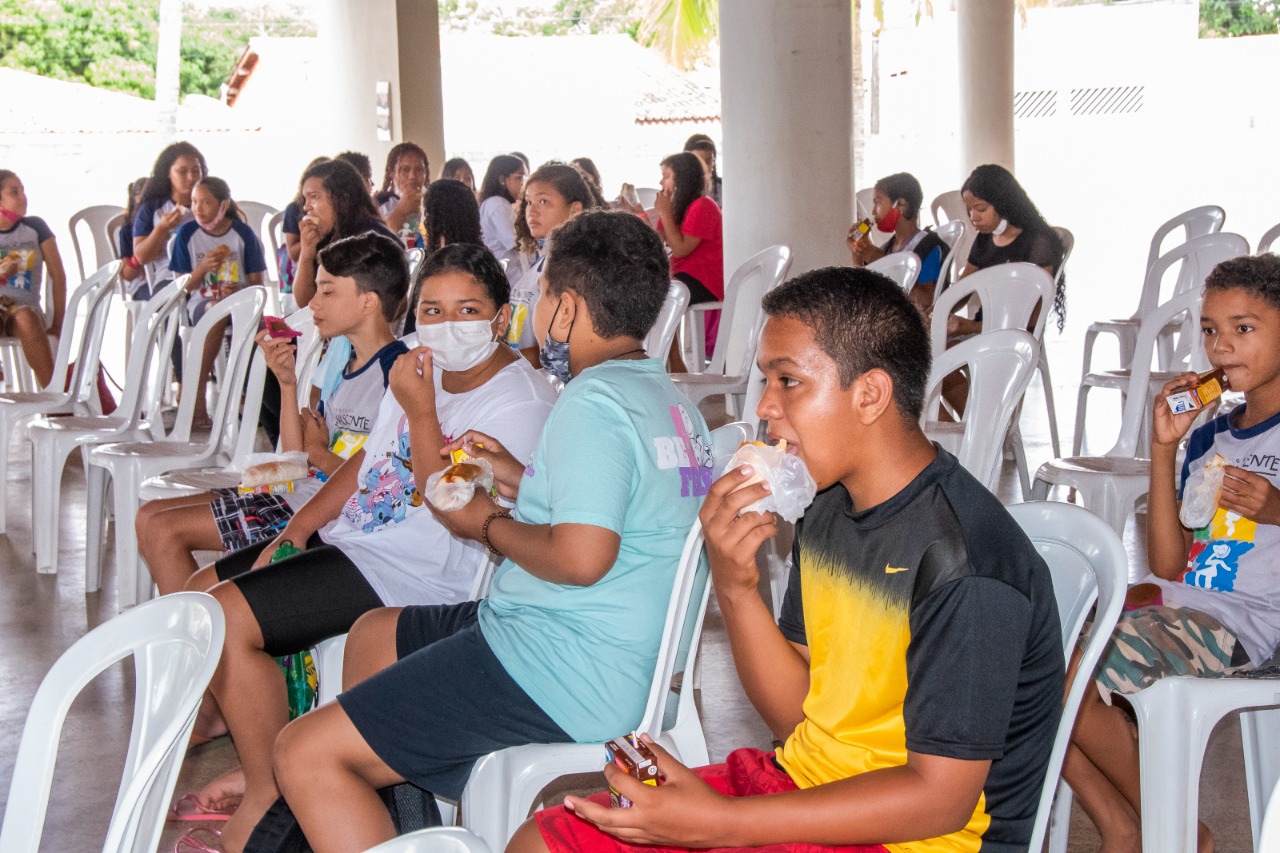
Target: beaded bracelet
484,533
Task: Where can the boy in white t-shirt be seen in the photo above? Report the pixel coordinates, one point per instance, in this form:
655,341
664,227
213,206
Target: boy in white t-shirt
1218,583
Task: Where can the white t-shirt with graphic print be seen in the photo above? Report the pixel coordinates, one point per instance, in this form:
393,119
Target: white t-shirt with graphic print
1233,568
387,530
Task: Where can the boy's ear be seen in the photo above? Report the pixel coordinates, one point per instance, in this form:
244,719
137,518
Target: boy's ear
873,396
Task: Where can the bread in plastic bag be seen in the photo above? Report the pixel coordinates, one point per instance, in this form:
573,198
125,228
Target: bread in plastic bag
454,487
1201,492
263,469
792,489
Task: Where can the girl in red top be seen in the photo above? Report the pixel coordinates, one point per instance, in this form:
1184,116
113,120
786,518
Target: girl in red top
689,222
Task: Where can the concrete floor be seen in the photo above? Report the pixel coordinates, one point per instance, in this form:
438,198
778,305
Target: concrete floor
41,615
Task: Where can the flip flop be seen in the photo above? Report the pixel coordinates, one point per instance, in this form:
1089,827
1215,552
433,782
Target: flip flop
191,843
189,807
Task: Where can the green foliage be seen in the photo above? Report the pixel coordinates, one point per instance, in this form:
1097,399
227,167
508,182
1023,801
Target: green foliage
112,43
681,30
1228,18
566,17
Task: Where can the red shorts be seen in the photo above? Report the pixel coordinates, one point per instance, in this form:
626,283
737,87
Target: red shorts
745,773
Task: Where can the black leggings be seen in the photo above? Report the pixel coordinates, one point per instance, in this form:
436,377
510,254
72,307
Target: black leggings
698,292
301,600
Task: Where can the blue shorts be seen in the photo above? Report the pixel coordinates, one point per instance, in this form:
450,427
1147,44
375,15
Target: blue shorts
446,703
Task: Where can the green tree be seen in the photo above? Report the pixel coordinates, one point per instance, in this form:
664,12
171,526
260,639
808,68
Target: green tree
112,43
681,30
1228,18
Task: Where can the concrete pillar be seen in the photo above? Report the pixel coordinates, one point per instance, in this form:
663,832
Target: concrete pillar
364,42
421,99
787,108
985,32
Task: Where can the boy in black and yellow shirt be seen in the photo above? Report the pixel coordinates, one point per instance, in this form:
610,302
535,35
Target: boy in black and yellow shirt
917,670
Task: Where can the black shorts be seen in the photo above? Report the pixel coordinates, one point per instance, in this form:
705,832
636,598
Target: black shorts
446,703
698,292
302,600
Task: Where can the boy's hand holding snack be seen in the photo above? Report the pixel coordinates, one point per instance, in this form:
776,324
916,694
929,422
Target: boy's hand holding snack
1167,429
508,471
1250,495
683,811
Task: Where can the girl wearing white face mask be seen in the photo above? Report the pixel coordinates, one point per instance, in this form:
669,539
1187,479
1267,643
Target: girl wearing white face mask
223,254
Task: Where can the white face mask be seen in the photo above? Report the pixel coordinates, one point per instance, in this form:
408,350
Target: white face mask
459,344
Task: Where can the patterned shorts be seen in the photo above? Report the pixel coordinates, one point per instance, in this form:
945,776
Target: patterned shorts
243,520
1155,642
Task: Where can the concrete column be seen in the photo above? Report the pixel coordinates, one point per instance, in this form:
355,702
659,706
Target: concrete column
367,41
985,32
787,108
421,99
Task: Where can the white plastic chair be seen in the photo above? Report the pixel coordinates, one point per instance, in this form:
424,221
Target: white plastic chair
1001,364
1088,563
948,207
1268,840
658,342
80,342
434,839
96,219
114,226
647,196
128,463
1109,485
1264,246
190,481
958,234
18,376
52,439
1195,259
174,644
1197,222
902,267
740,323
504,785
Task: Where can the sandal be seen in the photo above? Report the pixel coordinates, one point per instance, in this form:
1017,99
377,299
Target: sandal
189,807
191,843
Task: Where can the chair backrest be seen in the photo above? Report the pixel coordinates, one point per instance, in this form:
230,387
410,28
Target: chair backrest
1264,244
863,200
1184,310
1001,364
83,331
647,196
1088,563
1194,260
275,234
307,357
742,318
658,342
114,226
95,218
902,267
434,839
414,257
958,234
244,309
1196,222
175,643
682,626
257,215
947,207
149,346
1008,294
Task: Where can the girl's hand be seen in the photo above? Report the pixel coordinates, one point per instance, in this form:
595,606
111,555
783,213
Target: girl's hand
662,204
410,204
1167,429
281,356
1251,495
412,382
622,204
172,219
10,266
507,470
309,235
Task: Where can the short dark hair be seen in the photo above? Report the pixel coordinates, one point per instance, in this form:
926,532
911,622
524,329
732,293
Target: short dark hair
902,185
863,321
377,264
360,162
1257,274
616,263
475,261
451,214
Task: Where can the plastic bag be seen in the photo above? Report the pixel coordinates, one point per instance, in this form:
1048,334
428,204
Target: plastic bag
1201,492
454,487
263,469
792,487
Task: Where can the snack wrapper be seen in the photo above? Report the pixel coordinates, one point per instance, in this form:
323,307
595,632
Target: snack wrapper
636,760
273,473
1201,492
792,487
448,490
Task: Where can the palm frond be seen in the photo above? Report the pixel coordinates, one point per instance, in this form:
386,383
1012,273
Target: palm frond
680,30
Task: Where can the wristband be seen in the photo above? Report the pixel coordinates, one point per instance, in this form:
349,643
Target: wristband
132,261
484,533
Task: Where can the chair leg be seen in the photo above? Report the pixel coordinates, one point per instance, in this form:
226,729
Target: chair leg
133,584
1259,731
1089,338
48,459
1040,488
95,499
1052,411
1014,442
1060,819
1077,437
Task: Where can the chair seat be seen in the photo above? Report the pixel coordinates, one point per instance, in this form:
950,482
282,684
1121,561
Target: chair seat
97,424
949,436
707,380
148,449
1115,466
1106,325
1121,378
187,482
25,398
